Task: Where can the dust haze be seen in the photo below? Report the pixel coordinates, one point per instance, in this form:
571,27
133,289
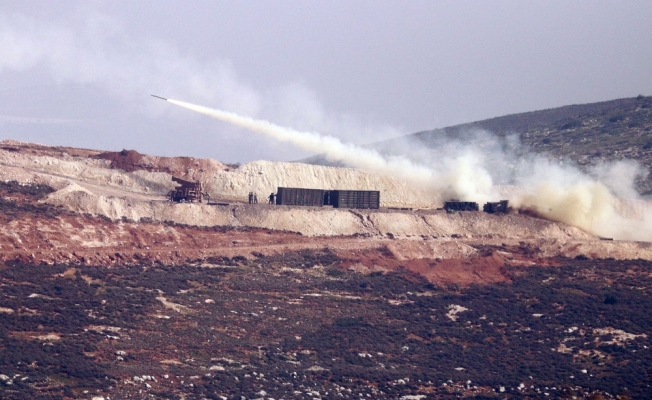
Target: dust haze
602,201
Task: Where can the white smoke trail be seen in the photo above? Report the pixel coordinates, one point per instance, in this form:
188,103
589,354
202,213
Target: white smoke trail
557,193
331,147
459,178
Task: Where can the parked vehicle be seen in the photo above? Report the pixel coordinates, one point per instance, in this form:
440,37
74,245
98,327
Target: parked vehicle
187,191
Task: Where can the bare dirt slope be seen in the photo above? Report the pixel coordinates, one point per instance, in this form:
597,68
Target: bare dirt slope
96,214
137,173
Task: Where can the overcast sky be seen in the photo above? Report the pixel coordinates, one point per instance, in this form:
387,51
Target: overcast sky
80,73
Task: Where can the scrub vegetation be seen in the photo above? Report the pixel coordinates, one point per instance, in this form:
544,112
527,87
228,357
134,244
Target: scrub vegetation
289,325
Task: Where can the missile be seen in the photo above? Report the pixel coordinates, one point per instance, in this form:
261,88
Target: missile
159,97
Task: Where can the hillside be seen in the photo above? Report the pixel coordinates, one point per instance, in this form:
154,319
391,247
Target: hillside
108,290
139,173
587,134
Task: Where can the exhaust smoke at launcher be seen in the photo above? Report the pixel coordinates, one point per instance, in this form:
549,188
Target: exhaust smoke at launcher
582,202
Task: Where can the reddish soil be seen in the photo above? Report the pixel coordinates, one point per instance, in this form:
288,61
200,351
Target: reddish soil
51,236
38,233
186,167
489,267
126,160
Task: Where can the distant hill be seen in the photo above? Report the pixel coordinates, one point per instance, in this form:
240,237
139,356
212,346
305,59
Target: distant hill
586,134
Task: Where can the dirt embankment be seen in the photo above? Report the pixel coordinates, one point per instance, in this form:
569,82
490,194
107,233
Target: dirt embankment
319,221
54,236
100,215
35,232
138,173
189,168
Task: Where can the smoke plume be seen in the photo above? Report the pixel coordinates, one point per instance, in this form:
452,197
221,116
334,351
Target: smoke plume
460,170
331,147
94,59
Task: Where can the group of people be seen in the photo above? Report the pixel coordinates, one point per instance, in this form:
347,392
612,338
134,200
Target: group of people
253,198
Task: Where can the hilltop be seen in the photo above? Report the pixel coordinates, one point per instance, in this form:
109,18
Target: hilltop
586,134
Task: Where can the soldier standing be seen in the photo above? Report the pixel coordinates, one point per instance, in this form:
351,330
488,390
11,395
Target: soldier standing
271,198
251,197
255,198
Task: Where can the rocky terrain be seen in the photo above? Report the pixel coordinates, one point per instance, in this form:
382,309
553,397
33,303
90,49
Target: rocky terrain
302,325
107,290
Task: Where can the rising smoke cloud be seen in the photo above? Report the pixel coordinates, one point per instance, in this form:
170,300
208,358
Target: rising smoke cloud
456,170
